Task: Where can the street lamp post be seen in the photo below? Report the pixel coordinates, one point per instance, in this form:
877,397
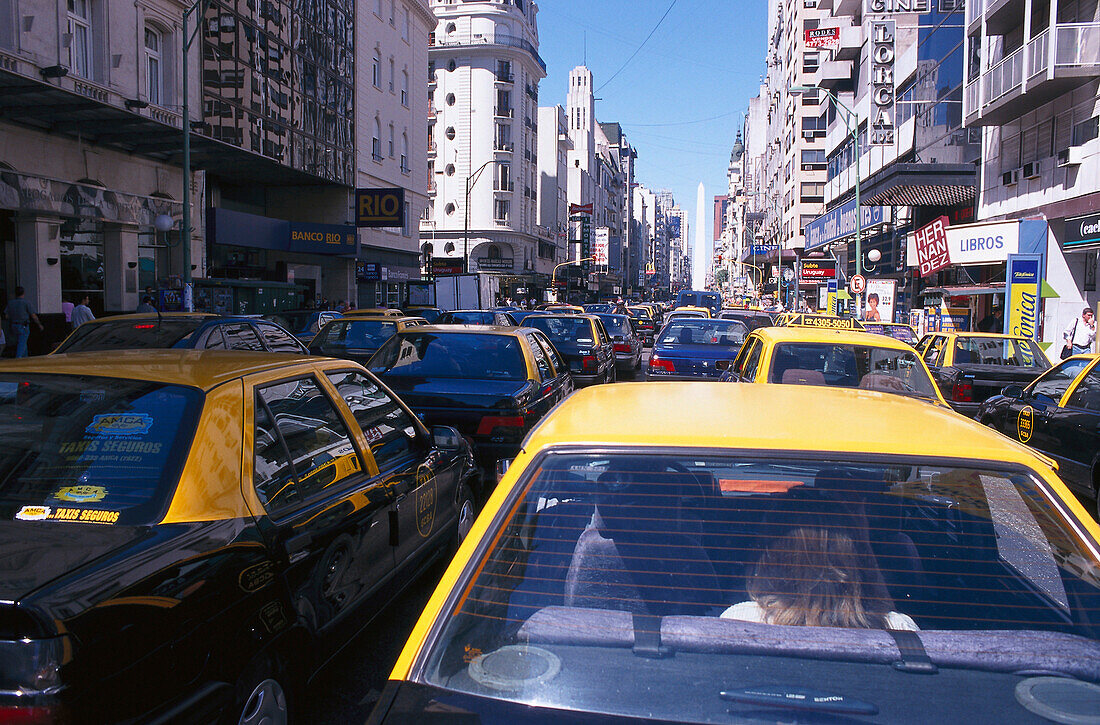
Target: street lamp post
851,122
470,181
185,224
554,274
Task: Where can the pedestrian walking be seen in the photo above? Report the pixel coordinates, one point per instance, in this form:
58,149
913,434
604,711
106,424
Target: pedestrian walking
146,305
1080,335
20,313
82,313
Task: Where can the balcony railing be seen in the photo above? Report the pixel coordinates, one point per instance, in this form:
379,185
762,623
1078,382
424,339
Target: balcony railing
459,40
1077,44
1004,77
1037,54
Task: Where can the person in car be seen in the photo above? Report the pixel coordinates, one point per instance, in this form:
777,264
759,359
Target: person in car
813,577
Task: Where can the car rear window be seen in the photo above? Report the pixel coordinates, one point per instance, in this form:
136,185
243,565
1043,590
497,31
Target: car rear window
130,334
999,351
690,574
686,331
470,318
358,334
851,366
616,324
445,355
576,330
89,449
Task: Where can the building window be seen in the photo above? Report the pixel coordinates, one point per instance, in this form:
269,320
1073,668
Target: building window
391,140
405,24
405,88
405,152
504,177
154,66
504,71
393,76
500,211
80,38
812,191
393,13
1086,131
376,70
810,62
378,10
376,141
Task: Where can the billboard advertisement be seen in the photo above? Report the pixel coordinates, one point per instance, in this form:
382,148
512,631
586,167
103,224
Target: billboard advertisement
878,305
602,246
823,38
1022,295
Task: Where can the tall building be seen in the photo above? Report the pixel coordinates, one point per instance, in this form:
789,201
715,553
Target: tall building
1032,87
554,145
482,141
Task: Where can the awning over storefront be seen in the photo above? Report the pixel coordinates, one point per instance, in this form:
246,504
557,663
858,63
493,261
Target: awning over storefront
964,290
942,185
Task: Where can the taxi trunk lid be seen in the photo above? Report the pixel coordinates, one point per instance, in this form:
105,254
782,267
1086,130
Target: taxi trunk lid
461,403
988,380
704,361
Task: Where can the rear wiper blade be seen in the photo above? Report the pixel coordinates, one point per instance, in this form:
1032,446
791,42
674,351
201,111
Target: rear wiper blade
799,698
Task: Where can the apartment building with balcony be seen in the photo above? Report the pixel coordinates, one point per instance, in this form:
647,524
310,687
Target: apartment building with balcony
927,171
1033,81
554,145
485,69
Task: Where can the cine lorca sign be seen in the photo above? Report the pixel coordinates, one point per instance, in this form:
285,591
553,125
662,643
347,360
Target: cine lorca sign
883,53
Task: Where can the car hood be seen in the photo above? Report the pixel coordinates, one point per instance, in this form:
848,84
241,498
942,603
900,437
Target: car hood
37,553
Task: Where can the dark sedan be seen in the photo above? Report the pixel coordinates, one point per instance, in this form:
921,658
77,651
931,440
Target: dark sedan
584,343
491,383
476,317
186,331
1058,414
695,349
358,338
971,367
753,319
627,343
303,324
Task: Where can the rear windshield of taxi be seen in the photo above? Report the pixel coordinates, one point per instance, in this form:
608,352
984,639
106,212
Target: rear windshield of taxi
999,351
446,355
469,318
92,450
576,330
851,366
654,585
130,334
685,331
898,332
357,334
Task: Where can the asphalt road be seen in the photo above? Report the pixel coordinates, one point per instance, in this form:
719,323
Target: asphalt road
345,690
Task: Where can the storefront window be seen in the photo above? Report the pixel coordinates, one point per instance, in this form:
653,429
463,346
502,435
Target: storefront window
152,257
82,264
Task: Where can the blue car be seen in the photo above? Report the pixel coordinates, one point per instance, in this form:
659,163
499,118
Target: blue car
695,348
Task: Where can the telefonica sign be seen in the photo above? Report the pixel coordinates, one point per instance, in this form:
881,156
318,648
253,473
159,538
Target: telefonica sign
841,222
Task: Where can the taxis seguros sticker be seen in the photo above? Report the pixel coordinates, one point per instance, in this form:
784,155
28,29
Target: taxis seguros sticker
120,424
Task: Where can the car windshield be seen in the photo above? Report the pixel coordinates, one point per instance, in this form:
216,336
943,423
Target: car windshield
999,351
598,308
1056,381
728,333
358,334
901,332
445,355
130,334
97,450
695,575
575,330
469,318
521,315
639,313
851,366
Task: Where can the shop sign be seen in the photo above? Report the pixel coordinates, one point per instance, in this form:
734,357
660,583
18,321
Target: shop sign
1022,295
841,222
815,270
762,250
446,265
896,7
882,76
380,207
823,38
368,271
496,264
1082,232
321,239
930,242
879,300
983,243
602,246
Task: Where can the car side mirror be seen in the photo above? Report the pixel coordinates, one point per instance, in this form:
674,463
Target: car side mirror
1013,391
447,438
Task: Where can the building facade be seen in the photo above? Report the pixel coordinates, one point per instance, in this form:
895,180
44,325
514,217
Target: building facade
483,211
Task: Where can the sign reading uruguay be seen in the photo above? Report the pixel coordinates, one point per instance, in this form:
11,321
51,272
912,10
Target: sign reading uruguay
841,222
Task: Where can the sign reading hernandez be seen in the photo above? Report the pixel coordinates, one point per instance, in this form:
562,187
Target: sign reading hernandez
931,246
380,207
882,82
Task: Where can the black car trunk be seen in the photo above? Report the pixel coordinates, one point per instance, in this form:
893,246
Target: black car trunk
988,380
462,403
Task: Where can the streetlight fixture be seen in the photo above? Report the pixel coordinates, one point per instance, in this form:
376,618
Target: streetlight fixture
185,224
470,181
851,122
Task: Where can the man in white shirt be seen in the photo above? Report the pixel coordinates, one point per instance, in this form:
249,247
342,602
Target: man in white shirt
1081,333
82,313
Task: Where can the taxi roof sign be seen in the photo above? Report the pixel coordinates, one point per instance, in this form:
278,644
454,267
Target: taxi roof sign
825,322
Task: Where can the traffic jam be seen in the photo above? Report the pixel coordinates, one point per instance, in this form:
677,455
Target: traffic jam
200,512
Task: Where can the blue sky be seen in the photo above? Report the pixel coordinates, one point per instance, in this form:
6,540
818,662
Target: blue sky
703,62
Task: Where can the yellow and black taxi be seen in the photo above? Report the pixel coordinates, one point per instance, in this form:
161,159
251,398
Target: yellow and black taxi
969,367
837,357
1058,414
766,554
376,312
491,383
180,331
359,337
187,535
688,311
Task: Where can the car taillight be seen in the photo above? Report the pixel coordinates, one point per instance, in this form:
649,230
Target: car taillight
656,363
34,715
144,326
491,425
588,362
962,391
623,347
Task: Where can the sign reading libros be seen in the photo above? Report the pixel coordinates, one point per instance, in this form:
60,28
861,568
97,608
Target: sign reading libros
380,207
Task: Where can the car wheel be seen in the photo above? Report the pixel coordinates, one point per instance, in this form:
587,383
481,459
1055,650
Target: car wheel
261,698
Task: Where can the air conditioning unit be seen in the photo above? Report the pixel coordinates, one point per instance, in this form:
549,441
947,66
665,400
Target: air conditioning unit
808,135
1032,170
1010,178
1072,156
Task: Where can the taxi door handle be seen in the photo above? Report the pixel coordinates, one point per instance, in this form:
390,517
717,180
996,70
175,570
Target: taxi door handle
297,547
